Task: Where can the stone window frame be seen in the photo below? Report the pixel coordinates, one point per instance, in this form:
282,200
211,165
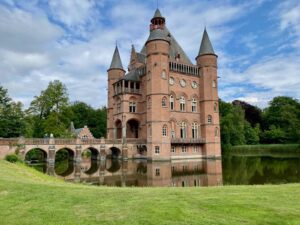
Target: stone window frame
183,130
165,130
164,102
209,119
172,103
157,150
194,105
182,103
195,130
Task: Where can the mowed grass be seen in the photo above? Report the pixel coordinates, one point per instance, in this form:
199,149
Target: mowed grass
29,197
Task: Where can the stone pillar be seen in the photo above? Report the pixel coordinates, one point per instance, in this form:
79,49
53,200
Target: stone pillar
77,172
124,173
101,172
51,140
102,153
78,154
124,152
50,170
51,155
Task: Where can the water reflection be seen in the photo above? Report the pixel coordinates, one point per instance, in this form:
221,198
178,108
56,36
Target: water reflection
232,170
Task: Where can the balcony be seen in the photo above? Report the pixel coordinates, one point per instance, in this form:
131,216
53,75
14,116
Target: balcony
190,141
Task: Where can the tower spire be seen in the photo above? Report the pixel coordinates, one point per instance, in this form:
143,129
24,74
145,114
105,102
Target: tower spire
206,46
116,62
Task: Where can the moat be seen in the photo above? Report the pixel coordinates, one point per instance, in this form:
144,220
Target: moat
231,170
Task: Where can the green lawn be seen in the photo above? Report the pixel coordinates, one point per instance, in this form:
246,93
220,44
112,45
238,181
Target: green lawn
29,197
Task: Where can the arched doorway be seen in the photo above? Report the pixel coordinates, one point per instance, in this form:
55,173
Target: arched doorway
118,129
89,160
114,153
132,128
64,164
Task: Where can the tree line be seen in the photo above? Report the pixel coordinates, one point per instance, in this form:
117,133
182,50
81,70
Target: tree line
241,123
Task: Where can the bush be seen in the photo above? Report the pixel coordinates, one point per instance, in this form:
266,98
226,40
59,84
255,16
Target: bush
12,158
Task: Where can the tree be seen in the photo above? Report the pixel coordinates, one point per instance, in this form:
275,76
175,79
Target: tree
49,112
11,116
253,114
282,119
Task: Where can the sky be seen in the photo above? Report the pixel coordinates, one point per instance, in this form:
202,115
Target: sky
257,43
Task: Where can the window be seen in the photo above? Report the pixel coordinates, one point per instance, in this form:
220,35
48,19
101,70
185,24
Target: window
164,130
214,84
216,132
216,107
157,151
183,130
118,107
132,107
163,74
194,130
164,102
173,149
182,104
157,172
172,133
183,149
209,119
171,102
196,149
194,105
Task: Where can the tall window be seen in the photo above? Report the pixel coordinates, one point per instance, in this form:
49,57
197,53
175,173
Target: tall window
214,83
209,119
194,105
157,151
216,132
172,133
194,130
173,149
183,149
132,106
171,102
164,102
183,130
182,104
164,130
216,107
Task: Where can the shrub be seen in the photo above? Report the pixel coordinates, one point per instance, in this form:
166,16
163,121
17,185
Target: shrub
12,158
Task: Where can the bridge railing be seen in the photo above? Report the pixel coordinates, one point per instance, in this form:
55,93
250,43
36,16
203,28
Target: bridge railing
37,141
9,141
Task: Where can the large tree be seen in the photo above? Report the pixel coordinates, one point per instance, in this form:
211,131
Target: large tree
50,112
11,116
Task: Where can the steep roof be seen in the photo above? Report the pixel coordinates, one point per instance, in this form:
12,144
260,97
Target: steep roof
175,48
116,60
157,14
206,46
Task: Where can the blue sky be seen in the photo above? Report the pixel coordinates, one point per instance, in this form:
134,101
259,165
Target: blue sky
258,44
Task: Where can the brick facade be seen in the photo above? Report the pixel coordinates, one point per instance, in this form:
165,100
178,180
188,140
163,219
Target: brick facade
165,99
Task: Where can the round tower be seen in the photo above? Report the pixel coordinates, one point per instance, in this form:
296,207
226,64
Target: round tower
114,73
209,100
157,49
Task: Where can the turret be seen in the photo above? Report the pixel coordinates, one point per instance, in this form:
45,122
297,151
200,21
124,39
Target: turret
209,116
157,50
115,72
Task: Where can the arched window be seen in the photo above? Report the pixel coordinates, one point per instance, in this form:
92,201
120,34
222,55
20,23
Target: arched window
209,119
216,132
183,130
194,105
194,130
214,84
182,104
216,107
164,102
171,102
164,130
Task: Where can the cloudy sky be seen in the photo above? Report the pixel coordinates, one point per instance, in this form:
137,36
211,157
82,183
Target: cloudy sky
258,44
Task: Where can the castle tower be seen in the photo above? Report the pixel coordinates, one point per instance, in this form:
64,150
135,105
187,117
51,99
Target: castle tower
157,53
115,72
209,106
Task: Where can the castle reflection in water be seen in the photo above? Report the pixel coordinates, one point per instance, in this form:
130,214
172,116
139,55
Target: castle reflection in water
140,173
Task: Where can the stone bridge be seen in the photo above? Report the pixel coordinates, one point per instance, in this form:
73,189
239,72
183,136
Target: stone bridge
100,148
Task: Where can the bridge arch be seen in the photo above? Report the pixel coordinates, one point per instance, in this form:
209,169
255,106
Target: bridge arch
36,155
90,157
114,153
64,161
112,166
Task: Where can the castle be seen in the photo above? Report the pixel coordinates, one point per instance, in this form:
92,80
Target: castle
165,103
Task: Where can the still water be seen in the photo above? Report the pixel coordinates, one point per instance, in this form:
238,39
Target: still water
231,170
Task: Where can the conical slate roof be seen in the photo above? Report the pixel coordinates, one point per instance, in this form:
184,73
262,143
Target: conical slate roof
157,14
116,60
206,46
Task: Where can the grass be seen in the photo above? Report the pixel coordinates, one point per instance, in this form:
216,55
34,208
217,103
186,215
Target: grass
30,197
